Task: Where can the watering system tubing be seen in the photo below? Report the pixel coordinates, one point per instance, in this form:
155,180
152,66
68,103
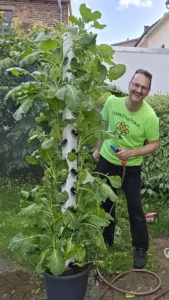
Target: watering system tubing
110,284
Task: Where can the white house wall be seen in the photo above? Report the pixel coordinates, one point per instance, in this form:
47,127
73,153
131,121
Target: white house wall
156,61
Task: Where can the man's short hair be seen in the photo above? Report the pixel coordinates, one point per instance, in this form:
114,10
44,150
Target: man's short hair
145,73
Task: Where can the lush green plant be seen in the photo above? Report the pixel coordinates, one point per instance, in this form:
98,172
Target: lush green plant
155,167
14,43
120,258
57,234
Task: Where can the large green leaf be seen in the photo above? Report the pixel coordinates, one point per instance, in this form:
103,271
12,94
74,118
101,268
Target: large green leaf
88,117
107,192
79,254
73,19
47,144
62,197
28,51
43,36
56,262
86,13
62,171
31,160
87,39
30,210
23,108
30,59
102,72
89,178
117,71
105,50
96,15
70,220
17,71
25,194
48,45
70,249
41,265
21,242
97,25
71,95
22,91
71,156
97,221
96,236
115,181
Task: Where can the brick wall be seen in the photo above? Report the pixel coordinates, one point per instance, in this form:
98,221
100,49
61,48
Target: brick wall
32,11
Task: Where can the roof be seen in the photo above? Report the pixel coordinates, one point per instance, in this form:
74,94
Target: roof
61,0
125,42
150,29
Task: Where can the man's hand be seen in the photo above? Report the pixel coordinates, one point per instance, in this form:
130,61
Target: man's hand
123,154
96,155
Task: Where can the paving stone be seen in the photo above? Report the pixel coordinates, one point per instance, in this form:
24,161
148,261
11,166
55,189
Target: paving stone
6,289
28,296
2,281
166,297
22,274
6,297
14,279
18,296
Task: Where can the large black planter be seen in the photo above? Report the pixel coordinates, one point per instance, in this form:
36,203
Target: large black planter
71,287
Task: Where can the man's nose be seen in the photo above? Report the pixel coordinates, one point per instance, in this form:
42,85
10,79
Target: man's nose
139,89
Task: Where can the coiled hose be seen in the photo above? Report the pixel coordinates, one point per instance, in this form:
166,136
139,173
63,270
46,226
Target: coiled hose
110,284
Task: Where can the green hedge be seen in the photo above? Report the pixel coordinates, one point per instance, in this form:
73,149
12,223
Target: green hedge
13,142
155,172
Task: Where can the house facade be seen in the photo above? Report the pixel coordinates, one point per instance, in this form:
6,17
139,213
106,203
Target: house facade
30,12
154,36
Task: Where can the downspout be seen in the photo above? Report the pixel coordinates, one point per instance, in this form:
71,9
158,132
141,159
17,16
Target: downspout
60,8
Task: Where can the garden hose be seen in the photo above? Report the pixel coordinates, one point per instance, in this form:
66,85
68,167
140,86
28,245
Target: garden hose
110,284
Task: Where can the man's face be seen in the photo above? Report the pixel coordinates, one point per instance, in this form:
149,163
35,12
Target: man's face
139,88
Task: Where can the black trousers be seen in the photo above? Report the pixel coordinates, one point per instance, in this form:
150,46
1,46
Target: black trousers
131,188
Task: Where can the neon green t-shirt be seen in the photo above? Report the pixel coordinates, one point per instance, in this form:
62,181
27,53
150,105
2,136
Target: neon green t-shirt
132,128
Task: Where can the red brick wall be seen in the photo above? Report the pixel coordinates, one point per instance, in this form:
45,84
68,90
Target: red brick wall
32,11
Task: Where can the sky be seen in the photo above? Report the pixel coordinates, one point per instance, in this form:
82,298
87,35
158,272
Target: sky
124,18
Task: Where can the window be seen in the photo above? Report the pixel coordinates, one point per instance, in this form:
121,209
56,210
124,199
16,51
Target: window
163,46
8,14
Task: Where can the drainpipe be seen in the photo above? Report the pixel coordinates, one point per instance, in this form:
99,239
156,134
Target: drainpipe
60,8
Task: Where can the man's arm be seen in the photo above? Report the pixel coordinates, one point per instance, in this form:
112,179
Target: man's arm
147,149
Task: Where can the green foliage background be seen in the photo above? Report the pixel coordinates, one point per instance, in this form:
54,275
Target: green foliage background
14,134
155,168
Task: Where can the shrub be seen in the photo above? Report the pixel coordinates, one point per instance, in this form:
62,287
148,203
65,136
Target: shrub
155,173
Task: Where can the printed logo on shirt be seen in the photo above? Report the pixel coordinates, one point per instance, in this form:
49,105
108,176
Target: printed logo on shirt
122,129
115,113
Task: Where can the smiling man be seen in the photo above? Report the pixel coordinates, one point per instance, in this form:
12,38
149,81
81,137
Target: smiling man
134,122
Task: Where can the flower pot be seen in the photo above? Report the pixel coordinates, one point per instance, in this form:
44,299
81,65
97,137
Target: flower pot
67,287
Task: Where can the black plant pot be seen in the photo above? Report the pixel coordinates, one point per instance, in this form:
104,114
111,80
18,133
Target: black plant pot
71,287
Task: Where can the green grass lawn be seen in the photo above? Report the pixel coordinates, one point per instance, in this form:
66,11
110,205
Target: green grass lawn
11,223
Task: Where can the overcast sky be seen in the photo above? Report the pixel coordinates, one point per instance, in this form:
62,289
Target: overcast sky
124,18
